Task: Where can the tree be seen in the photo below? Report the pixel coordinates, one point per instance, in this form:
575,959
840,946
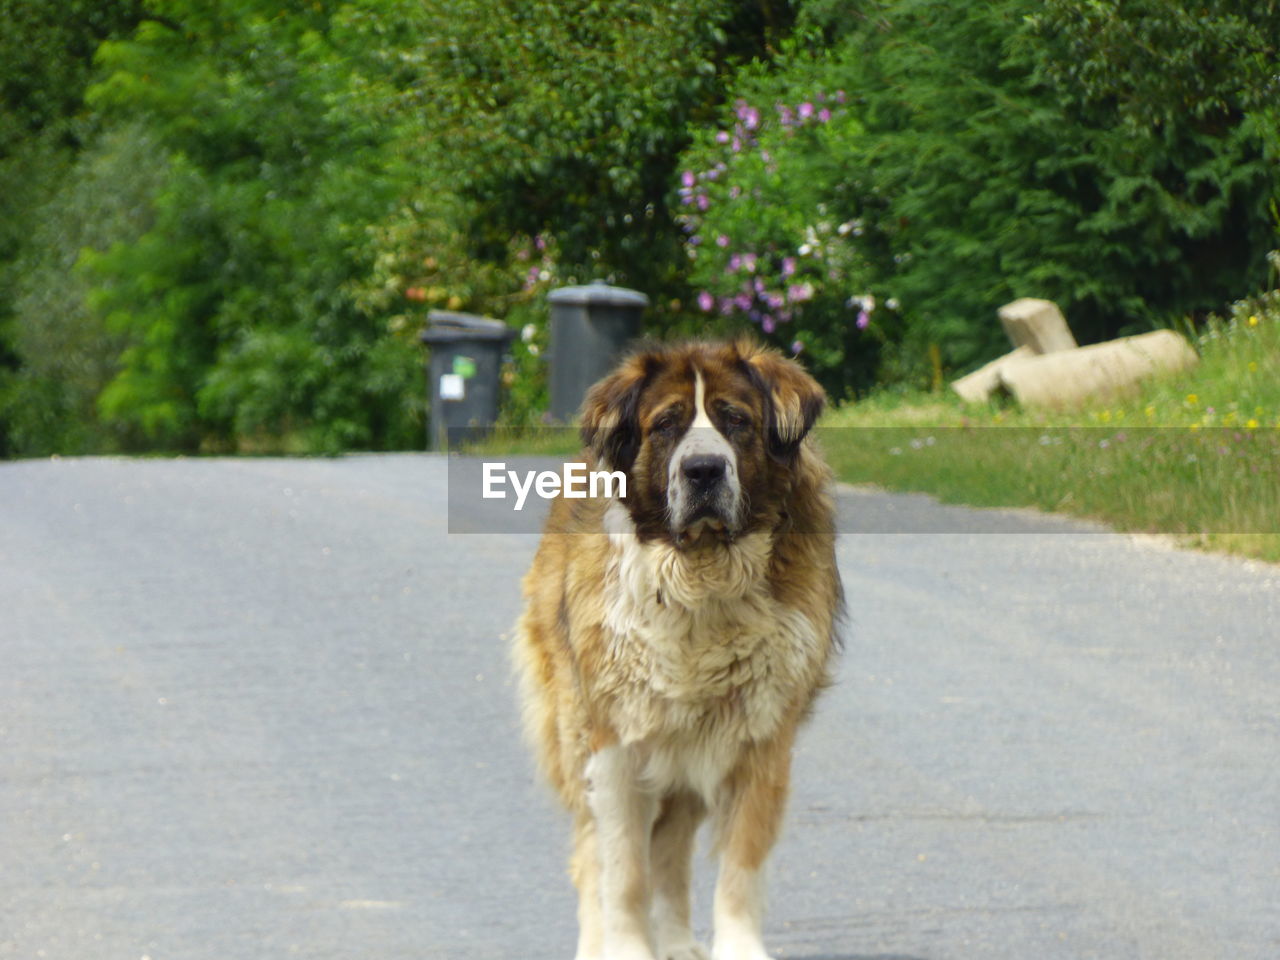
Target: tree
1017,149
46,53
240,304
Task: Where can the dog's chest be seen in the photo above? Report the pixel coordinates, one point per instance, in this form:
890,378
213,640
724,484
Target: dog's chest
702,673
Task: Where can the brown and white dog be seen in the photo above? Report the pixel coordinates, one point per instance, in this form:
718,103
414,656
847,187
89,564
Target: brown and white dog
673,641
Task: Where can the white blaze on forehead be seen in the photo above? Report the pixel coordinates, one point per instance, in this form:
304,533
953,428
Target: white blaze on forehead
702,438
700,417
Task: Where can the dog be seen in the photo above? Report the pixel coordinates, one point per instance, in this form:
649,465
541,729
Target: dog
673,641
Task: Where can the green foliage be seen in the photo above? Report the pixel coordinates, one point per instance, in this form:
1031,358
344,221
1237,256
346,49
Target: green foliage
242,304
566,119
980,167
46,50
774,236
233,238
67,354
543,136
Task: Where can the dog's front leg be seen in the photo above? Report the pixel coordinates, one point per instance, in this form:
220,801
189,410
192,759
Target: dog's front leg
624,813
750,812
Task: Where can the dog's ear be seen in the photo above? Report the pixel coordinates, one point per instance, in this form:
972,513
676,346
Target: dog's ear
610,423
793,399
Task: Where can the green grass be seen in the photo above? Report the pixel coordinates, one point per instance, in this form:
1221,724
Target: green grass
1197,456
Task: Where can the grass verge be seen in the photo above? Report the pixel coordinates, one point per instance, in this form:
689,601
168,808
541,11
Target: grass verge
1197,456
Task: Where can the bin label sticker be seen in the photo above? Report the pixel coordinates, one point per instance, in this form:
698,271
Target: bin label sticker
464,367
452,386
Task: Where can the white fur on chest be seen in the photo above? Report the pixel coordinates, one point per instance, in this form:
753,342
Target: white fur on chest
702,658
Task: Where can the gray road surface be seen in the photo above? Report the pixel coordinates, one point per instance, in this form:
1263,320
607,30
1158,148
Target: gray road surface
260,709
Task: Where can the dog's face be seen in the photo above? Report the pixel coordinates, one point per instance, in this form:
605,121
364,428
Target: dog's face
706,434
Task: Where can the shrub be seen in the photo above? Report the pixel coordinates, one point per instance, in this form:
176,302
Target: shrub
994,151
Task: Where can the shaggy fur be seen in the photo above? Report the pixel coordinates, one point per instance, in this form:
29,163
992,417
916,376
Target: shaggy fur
673,642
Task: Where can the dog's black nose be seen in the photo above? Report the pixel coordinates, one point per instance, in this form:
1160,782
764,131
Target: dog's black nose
704,470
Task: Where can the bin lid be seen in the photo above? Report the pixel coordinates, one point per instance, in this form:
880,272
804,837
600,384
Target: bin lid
598,292
447,326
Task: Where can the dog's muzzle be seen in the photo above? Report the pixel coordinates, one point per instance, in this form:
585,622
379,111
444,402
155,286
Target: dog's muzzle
704,495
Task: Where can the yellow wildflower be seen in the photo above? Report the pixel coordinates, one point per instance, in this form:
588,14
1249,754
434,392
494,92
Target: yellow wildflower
1253,321
1252,424
1192,399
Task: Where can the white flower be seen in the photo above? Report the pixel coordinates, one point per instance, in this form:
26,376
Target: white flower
805,249
528,332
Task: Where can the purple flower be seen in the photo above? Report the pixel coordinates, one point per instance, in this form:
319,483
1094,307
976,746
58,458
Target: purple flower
735,262
788,266
800,292
706,301
749,262
824,115
785,115
864,318
722,136
742,301
805,110
722,240
767,324
703,201
840,96
688,179
737,145
797,347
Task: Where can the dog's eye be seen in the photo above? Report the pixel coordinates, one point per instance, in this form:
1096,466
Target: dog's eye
665,423
735,419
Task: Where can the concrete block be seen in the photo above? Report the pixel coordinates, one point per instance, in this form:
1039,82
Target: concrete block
977,387
1037,324
1070,378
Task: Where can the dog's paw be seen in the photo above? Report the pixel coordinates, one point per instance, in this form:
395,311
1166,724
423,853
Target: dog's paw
745,950
686,951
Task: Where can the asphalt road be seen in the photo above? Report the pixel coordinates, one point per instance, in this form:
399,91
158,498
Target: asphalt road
260,709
